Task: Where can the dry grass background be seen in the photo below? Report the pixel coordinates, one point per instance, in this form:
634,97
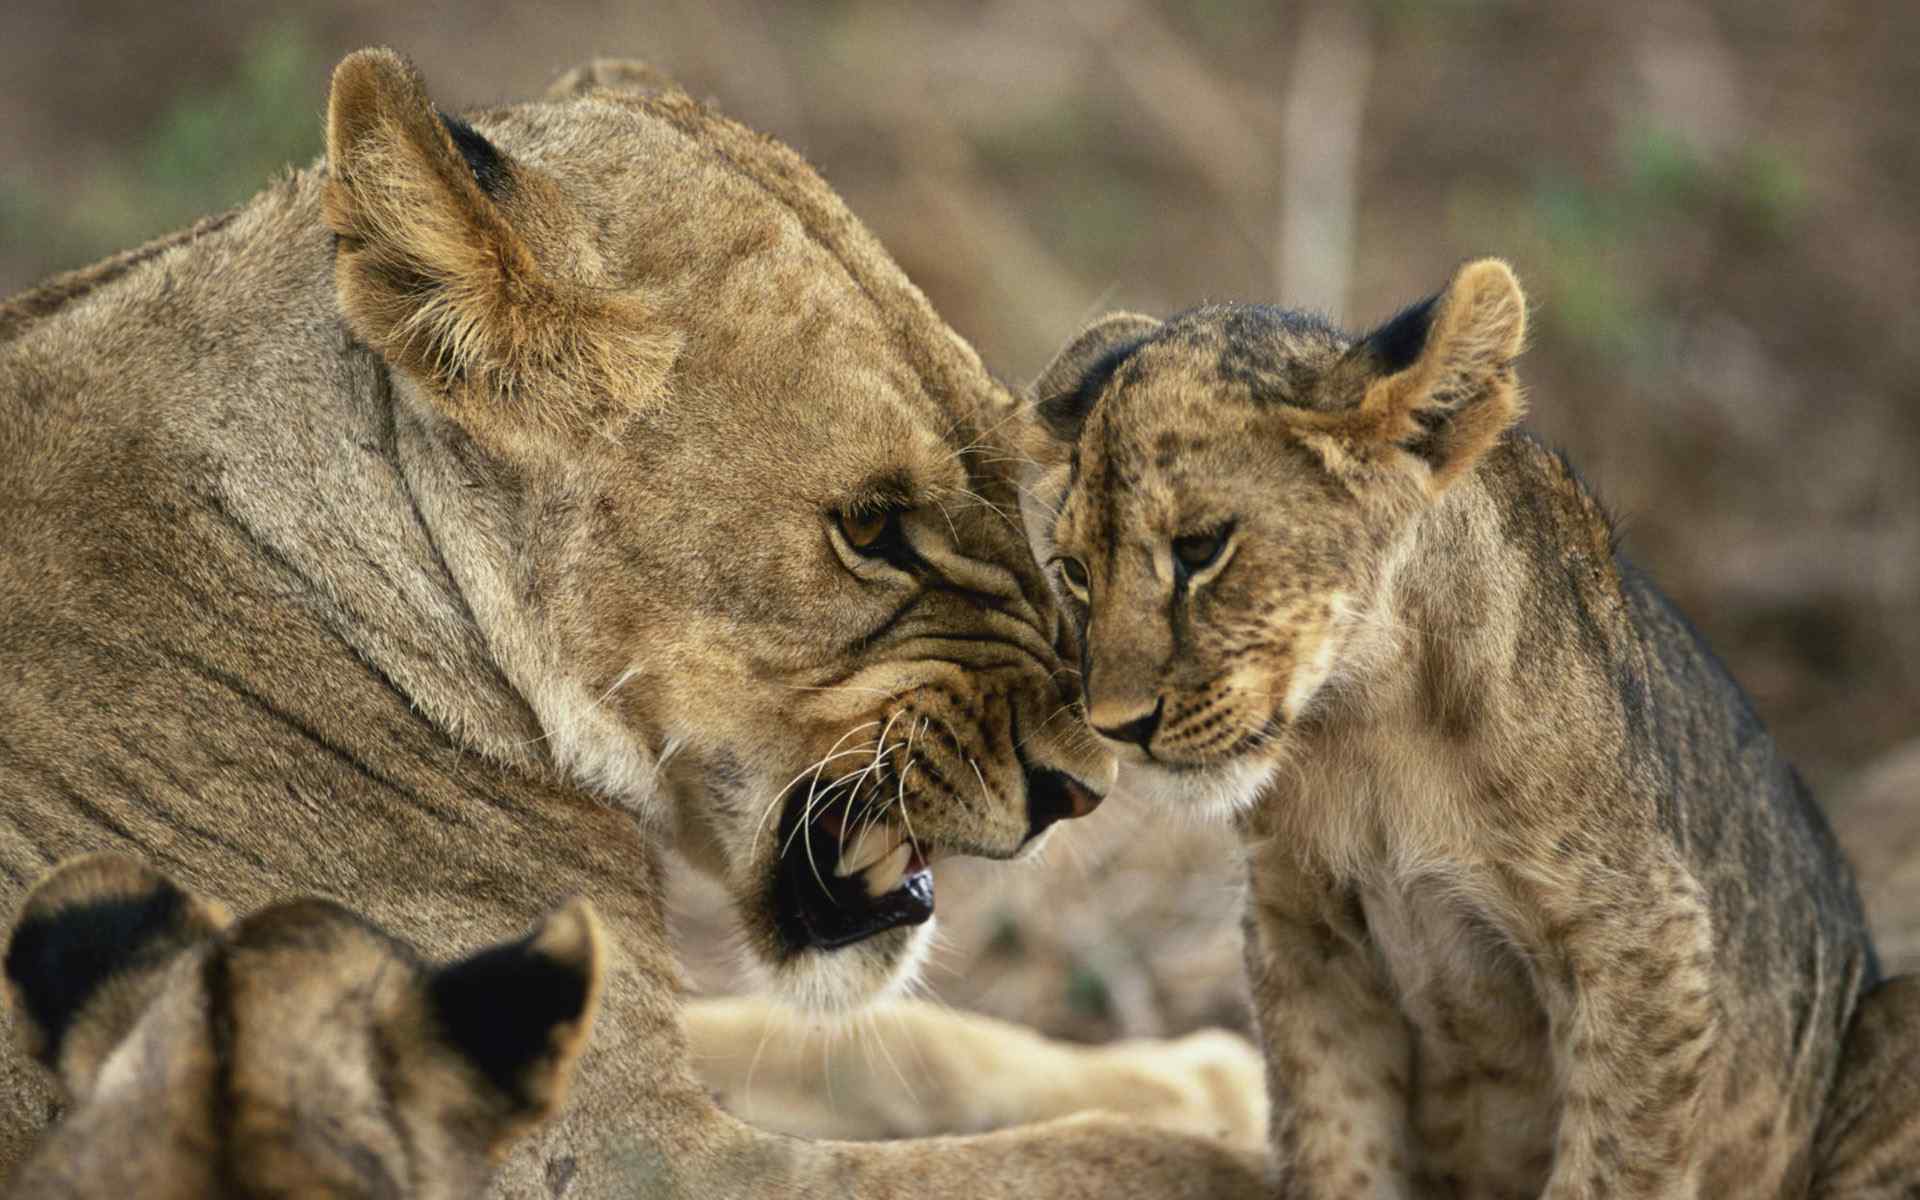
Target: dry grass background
1712,202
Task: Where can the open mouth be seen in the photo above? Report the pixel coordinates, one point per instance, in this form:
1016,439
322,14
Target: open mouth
842,877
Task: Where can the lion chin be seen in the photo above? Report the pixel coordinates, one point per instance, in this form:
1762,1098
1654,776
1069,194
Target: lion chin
834,984
1215,794
833,915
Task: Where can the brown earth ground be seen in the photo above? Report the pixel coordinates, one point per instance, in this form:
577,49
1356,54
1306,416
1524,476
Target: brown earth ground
1711,203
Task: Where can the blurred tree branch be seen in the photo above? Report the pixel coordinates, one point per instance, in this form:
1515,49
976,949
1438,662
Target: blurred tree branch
1320,150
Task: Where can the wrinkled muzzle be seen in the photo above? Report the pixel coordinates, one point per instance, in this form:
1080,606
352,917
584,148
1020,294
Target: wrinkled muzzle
964,763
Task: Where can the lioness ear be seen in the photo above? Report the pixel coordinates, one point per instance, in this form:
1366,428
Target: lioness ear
87,952
433,273
626,75
521,1011
1440,383
1066,390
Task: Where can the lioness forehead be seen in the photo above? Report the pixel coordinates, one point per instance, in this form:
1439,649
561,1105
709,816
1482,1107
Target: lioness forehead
808,356
749,253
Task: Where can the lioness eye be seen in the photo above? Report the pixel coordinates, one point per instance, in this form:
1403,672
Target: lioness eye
863,531
1196,550
1076,573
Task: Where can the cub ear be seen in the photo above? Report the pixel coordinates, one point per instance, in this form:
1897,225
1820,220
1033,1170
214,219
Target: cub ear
520,1012
627,76
87,952
1440,384
433,273
1066,390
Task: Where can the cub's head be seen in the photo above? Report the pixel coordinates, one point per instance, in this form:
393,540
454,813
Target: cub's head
733,509
297,1052
1229,491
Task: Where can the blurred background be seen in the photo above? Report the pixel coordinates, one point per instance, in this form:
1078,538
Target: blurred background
1712,204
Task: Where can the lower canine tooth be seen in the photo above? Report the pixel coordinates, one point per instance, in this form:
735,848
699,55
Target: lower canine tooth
885,875
869,846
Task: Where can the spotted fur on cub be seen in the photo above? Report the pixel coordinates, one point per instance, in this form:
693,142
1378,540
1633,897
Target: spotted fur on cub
299,1051
1536,906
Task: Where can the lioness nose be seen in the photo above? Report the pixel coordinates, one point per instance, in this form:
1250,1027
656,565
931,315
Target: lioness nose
1138,730
1053,796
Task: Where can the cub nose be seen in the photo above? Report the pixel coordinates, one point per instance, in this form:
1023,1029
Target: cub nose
1054,796
1139,730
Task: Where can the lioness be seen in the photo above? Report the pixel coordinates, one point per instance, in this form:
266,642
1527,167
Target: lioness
298,1052
473,515
1536,906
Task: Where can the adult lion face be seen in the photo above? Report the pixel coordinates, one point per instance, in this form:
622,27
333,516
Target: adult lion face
735,510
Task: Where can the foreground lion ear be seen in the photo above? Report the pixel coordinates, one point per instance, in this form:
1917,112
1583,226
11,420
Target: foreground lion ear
1066,390
520,1012
86,955
435,273
625,75
1439,382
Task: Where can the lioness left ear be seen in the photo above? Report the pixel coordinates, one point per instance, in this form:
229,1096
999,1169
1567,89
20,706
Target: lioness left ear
435,273
1440,382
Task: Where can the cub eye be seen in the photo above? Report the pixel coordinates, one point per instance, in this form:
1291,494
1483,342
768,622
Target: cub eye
1195,551
1076,573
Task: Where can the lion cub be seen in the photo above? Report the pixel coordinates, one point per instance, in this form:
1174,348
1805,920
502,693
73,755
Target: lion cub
1536,906
297,1052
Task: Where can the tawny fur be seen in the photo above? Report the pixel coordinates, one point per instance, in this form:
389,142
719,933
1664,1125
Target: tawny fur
1535,907
917,1068
452,529
298,1052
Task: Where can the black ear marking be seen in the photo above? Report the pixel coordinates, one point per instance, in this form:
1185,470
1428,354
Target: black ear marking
488,165
1068,389
57,961
1397,344
1065,412
501,1006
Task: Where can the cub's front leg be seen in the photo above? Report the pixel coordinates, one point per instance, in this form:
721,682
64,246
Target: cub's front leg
1624,963
1339,1057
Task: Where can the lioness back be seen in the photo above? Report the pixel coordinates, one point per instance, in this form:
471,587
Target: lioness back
1537,907
297,1052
